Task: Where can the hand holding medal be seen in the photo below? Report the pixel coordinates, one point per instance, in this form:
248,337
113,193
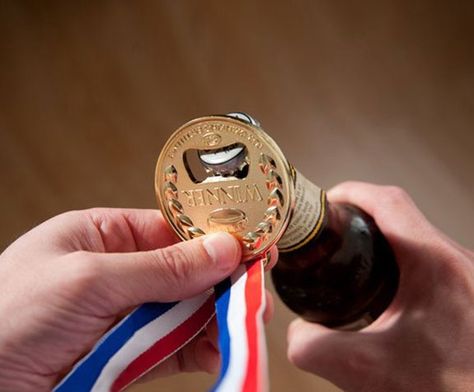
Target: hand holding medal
154,331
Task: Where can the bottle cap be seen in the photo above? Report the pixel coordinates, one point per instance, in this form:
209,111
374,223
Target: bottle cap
224,173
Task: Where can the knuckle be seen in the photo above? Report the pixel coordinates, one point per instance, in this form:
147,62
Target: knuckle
349,184
346,186
99,215
395,195
98,211
83,272
89,212
173,255
175,263
73,218
295,355
69,216
359,361
453,269
297,349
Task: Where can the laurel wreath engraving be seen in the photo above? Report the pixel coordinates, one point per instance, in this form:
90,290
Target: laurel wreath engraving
253,239
170,191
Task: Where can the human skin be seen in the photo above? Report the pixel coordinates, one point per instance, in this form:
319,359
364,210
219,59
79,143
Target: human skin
425,339
67,281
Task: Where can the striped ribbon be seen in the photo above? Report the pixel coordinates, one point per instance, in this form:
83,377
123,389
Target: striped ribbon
240,303
155,331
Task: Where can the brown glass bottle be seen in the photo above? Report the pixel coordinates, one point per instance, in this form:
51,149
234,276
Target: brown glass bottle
345,274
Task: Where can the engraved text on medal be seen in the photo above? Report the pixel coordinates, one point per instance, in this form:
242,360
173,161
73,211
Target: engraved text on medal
222,195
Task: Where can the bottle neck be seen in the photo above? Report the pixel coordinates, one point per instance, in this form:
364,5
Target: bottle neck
308,215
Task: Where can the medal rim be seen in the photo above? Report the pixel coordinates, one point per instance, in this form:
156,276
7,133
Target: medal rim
286,173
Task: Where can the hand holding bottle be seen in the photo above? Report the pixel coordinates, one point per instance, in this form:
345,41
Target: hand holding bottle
424,340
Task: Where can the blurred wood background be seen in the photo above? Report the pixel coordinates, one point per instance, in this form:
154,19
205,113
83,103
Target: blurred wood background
381,91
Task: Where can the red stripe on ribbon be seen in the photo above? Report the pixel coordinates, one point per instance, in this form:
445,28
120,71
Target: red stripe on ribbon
165,346
253,298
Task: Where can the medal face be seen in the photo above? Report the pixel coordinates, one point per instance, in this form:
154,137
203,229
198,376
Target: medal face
223,173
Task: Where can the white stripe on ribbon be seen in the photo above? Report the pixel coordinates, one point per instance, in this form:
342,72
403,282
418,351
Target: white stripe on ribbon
262,341
145,337
236,371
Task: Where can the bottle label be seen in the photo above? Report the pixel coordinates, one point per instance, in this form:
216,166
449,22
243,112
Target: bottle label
308,215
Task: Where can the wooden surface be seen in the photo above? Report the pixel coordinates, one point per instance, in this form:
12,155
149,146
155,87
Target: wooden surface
381,91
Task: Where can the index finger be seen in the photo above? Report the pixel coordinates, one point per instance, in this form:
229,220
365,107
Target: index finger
130,230
391,207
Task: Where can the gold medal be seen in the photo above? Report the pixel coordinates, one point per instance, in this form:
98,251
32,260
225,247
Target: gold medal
223,173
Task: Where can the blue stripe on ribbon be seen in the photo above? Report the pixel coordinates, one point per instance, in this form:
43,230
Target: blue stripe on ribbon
84,375
222,293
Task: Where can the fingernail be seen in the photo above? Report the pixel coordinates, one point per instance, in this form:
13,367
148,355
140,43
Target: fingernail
223,249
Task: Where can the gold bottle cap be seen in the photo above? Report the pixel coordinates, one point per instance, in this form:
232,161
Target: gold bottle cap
224,173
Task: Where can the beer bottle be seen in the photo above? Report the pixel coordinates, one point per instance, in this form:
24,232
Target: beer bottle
225,173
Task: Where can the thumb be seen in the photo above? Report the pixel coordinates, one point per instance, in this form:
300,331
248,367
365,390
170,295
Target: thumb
169,274
342,357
